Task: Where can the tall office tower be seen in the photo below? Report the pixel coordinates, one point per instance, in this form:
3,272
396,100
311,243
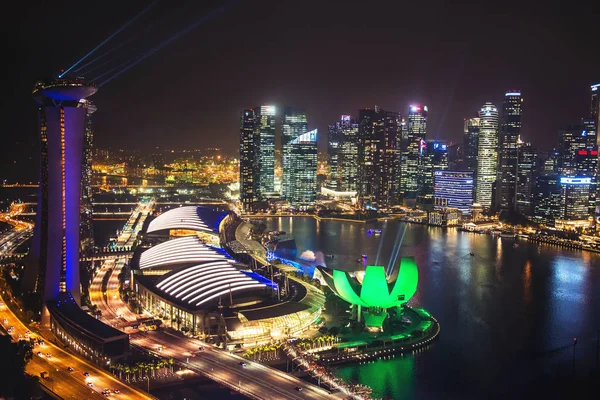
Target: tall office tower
454,189
434,157
53,264
416,131
575,193
86,230
294,125
302,170
547,199
526,175
595,106
378,156
510,131
570,142
470,143
487,154
343,155
249,161
578,154
265,124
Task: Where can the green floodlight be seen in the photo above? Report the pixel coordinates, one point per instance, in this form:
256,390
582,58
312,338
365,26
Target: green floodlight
375,292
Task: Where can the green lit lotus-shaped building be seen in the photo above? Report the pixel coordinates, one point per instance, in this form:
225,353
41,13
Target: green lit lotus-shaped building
373,291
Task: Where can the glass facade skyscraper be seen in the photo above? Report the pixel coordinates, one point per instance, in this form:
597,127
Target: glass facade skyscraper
487,154
378,156
470,143
416,131
294,125
510,132
343,155
249,161
595,106
433,157
302,170
547,199
265,123
526,175
454,189
575,194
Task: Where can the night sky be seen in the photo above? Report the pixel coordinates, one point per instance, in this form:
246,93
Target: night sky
329,57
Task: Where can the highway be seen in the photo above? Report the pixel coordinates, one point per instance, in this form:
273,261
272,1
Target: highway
253,380
21,230
69,385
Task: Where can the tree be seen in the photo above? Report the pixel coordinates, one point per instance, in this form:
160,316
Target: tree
14,382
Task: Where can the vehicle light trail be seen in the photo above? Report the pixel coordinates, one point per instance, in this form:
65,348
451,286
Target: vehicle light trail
110,37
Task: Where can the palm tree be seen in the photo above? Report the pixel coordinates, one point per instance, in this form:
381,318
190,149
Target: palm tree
134,369
171,362
127,370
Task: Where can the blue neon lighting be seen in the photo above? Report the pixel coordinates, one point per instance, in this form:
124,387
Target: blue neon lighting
576,181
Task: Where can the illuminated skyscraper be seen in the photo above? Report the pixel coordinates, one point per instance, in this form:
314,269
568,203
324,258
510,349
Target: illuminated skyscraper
487,154
507,149
249,161
575,193
470,142
595,106
265,124
526,175
302,170
53,264
416,131
547,199
379,132
433,157
294,124
343,155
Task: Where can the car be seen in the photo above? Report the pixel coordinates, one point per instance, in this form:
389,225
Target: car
5,321
48,355
298,388
201,348
86,373
90,384
70,369
20,336
243,364
39,353
116,391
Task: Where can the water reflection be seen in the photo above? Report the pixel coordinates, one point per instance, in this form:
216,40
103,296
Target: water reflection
506,312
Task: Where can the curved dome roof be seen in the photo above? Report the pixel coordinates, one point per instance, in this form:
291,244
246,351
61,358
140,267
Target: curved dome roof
179,218
201,283
185,250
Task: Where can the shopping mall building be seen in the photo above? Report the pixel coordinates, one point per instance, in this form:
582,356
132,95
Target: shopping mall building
182,276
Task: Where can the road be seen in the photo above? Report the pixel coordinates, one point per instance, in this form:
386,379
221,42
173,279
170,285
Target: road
254,380
69,385
20,232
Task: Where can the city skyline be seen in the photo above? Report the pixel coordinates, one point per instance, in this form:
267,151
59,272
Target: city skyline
447,85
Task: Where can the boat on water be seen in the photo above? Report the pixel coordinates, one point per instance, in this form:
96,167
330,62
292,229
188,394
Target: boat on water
374,231
515,245
507,235
330,256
